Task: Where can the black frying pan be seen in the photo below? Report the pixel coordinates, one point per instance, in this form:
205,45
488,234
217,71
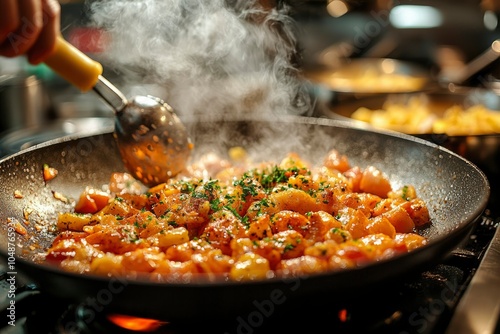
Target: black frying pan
455,190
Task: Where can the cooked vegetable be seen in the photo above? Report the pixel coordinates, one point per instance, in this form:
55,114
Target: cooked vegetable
263,221
49,173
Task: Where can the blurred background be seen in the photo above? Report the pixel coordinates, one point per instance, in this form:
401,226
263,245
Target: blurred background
439,37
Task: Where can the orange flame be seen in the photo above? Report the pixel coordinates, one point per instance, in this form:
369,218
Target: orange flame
343,315
135,323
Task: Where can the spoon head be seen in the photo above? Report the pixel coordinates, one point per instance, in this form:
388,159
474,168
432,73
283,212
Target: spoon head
153,142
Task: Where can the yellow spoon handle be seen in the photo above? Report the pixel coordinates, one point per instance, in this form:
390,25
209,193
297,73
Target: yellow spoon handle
74,66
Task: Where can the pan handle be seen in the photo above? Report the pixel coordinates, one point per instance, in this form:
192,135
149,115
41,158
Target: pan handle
73,65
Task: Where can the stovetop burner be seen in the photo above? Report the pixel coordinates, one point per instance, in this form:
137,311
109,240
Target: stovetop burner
419,303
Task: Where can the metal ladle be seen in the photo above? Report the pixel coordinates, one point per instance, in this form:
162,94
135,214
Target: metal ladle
153,142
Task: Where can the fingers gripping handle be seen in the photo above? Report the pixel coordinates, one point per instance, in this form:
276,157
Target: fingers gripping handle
73,65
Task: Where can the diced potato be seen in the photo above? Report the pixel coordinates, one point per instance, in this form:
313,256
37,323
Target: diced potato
107,265
117,207
250,266
303,265
375,182
176,236
410,240
213,261
381,224
400,219
142,260
72,221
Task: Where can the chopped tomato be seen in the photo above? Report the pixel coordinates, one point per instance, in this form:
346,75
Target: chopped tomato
49,173
20,228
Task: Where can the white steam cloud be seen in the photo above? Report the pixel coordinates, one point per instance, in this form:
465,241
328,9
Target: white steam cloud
207,55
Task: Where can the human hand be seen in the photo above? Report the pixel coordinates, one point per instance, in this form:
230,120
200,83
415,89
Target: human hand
29,27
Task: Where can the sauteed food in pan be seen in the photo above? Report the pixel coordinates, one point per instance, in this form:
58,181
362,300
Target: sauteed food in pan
455,193
241,220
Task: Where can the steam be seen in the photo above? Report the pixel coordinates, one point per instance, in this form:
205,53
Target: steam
206,55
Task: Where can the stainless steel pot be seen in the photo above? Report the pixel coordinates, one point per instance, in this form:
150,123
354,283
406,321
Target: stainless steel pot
23,102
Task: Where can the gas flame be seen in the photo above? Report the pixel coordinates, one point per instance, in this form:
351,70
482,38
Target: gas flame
135,323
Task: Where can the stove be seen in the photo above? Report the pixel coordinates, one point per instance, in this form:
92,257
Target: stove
437,300
433,301
427,302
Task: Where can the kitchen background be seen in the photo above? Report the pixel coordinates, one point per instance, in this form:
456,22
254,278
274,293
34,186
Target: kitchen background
440,37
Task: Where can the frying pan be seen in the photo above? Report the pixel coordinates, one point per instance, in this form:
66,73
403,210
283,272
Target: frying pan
456,192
